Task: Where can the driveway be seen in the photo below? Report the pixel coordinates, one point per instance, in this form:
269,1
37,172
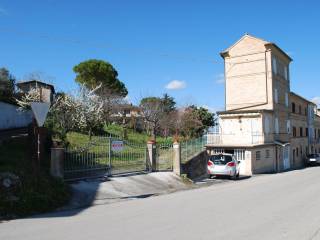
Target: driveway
275,206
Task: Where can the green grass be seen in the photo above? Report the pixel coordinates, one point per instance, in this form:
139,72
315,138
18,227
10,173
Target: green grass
35,194
134,136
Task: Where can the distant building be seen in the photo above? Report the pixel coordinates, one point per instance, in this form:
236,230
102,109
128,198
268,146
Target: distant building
265,125
128,114
46,90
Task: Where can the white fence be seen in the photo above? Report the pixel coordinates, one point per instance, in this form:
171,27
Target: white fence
11,117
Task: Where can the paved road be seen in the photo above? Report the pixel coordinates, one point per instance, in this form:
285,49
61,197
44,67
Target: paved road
281,206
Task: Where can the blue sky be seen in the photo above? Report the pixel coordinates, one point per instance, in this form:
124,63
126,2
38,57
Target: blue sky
152,43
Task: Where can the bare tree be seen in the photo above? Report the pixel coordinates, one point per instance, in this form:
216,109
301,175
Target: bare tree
153,112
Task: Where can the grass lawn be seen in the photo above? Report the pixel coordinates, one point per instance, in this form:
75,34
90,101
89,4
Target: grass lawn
32,195
95,153
134,136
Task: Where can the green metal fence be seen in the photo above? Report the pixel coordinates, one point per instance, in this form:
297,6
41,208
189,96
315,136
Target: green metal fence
100,157
192,147
132,158
164,157
88,161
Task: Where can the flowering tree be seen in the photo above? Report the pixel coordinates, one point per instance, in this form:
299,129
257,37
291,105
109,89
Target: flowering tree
88,109
32,96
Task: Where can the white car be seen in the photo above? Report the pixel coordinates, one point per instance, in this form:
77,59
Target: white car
223,165
313,159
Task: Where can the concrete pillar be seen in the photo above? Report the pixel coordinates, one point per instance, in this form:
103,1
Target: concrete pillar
56,164
151,156
177,158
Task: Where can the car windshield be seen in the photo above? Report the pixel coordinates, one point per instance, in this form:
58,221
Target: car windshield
312,156
221,159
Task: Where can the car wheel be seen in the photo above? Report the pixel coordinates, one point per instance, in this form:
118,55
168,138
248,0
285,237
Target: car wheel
234,177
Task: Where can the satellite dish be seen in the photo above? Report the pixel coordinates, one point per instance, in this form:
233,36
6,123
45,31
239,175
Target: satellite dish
40,111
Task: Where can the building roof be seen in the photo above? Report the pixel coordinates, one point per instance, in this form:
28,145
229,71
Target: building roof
302,98
37,82
266,43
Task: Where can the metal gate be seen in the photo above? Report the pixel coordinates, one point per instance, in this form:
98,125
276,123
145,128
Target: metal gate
106,156
88,161
126,157
164,155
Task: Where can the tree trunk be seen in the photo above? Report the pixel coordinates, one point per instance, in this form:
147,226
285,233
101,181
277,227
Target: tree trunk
90,134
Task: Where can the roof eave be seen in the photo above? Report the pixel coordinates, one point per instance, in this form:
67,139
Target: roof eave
279,49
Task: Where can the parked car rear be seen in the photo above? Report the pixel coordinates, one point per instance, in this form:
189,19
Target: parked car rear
223,165
313,159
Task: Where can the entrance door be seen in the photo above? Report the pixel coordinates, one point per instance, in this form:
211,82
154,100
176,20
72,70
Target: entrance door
286,157
239,155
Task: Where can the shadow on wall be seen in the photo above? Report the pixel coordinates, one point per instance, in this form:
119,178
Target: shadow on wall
197,166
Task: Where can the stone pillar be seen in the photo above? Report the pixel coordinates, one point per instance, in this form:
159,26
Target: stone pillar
56,164
151,156
177,158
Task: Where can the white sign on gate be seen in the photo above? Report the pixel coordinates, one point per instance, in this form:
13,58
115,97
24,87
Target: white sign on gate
117,146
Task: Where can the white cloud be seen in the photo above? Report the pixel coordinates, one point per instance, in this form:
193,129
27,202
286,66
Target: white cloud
220,78
316,100
176,84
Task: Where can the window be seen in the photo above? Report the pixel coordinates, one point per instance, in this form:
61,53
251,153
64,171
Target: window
293,106
267,125
307,132
276,125
306,112
267,153
274,65
258,155
287,99
239,154
286,73
300,110
301,132
297,152
294,131
288,126
276,96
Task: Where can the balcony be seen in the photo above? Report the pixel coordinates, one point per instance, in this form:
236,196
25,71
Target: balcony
246,139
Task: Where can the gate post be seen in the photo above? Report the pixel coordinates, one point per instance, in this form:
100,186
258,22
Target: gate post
56,164
177,158
152,156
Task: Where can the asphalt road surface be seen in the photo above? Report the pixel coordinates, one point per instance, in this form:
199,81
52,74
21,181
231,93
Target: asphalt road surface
276,206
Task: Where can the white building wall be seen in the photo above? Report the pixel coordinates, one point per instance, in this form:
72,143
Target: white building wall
11,117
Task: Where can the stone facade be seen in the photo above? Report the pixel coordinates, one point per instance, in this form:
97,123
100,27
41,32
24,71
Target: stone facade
264,119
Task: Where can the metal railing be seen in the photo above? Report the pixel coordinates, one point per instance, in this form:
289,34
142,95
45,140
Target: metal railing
239,139
192,147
